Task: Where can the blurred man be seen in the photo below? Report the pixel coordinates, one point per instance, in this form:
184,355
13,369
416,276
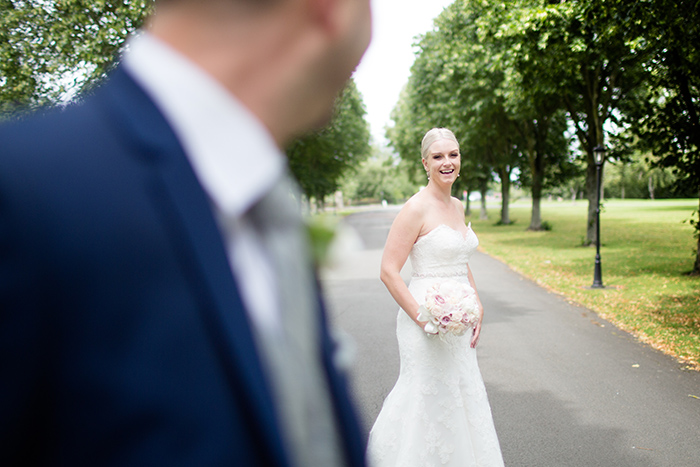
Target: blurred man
157,305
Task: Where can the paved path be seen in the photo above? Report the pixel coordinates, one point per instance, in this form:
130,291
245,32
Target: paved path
566,387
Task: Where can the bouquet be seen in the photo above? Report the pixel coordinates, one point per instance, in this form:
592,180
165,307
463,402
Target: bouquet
450,307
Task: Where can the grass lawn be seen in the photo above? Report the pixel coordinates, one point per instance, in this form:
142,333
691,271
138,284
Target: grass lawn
646,249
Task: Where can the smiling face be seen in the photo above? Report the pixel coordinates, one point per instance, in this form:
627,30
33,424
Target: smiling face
442,161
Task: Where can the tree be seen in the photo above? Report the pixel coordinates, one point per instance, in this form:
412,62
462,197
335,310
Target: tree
51,48
587,59
640,176
666,115
480,72
451,85
534,106
319,159
378,178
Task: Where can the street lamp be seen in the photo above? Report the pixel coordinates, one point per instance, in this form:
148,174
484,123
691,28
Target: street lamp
599,157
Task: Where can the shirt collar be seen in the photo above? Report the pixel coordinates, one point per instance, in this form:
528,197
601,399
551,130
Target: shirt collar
232,153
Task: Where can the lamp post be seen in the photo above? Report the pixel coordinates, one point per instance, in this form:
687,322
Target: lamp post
599,157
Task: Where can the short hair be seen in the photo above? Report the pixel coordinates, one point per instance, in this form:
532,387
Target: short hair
433,135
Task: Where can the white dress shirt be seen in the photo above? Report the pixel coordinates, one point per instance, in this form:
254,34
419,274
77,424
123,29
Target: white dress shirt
232,154
238,163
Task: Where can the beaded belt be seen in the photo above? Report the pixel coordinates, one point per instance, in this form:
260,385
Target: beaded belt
460,272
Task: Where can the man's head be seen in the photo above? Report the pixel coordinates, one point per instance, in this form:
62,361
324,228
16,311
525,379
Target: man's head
286,60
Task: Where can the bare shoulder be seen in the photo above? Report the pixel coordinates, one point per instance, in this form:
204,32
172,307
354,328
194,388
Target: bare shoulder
415,206
458,206
410,219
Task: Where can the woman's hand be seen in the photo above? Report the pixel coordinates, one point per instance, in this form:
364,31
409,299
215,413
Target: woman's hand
476,333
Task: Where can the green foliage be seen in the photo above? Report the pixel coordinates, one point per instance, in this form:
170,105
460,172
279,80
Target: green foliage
452,85
319,160
579,54
471,77
511,77
378,178
665,116
52,49
639,178
49,48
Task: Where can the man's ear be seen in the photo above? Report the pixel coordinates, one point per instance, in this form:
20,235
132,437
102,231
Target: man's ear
328,14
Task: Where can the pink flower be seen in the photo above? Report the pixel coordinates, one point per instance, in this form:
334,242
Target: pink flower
450,307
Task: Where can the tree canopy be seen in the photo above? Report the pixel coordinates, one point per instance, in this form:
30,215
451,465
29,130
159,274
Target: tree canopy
516,79
52,50
319,159
49,49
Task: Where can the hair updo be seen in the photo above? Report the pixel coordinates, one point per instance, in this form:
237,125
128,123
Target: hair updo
436,134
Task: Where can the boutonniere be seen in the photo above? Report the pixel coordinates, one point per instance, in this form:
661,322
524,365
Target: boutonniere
322,232
331,240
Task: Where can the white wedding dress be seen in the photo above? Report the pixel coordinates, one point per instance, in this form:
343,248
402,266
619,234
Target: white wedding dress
438,413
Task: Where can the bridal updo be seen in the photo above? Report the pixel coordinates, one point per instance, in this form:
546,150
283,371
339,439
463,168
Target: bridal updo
436,134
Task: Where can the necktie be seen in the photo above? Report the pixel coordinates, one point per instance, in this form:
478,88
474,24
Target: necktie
292,355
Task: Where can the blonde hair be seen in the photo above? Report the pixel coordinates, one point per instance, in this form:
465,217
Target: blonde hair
433,135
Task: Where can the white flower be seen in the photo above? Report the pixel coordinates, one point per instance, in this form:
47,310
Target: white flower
424,315
450,307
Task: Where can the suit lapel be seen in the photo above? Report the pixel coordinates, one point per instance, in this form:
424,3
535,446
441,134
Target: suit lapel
187,211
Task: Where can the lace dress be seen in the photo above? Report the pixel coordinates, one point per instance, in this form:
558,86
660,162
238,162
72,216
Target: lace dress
438,413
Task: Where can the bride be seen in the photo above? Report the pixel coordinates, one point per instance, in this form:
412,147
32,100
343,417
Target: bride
437,414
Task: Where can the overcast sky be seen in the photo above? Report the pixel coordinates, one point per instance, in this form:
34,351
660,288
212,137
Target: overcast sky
384,69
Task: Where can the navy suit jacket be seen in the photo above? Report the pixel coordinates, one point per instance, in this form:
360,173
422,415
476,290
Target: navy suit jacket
123,338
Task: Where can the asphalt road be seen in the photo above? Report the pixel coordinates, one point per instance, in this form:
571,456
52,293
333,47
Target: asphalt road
566,387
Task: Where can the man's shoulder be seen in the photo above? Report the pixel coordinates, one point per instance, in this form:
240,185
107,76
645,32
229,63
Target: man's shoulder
80,110
45,123
69,131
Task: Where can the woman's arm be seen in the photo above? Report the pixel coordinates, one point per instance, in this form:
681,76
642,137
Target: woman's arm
403,234
477,327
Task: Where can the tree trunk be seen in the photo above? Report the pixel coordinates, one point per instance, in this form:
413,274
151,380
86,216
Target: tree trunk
536,215
483,215
592,201
504,174
589,130
623,179
306,205
537,170
696,267
320,204
505,203
651,187
467,205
